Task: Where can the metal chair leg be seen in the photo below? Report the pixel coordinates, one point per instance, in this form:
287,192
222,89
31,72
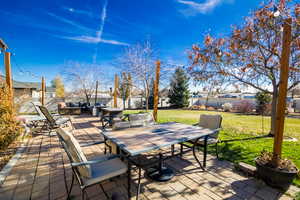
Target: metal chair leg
129,180
195,156
181,150
172,149
71,187
205,151
139,185
217,151
82,194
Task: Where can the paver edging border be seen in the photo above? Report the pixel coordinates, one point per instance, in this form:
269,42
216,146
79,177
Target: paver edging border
13,160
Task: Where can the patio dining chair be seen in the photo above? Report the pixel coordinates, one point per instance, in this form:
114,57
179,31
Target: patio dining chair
212,122
90,172
141,119
54,123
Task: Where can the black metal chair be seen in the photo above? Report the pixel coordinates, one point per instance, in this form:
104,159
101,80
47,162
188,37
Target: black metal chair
52,123
213,122
90,172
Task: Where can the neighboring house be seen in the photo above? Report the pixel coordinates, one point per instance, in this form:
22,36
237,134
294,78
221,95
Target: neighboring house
28,89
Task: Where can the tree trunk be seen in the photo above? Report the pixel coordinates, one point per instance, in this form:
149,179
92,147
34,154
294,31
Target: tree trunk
147,97
273,111
147,102
124,103
87,98
129,102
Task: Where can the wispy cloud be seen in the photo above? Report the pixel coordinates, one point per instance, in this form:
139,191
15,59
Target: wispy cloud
79,11
195,8
101,28
70,22
95,40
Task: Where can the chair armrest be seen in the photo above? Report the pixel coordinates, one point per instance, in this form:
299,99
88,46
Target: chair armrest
92,143
91,162
125,117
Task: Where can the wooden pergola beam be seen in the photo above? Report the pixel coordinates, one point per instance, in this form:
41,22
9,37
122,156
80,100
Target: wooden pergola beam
156,86
3,45
43,90
116,85
283,84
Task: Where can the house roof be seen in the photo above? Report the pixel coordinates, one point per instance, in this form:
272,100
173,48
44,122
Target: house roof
22,85
27,85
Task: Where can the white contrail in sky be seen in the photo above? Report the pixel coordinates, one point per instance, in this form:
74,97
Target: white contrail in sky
100,31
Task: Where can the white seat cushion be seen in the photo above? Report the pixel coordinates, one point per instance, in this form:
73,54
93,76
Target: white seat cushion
62,120
75,151
105,170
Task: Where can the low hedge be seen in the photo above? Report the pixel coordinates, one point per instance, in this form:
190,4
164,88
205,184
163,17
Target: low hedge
10,129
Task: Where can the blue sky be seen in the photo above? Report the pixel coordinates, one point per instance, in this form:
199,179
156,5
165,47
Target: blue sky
45,35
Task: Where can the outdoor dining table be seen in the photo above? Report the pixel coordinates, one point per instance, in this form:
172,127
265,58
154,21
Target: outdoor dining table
131,142
108,114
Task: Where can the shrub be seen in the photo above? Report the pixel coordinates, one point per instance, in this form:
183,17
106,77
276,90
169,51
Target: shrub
244,106
9,127
210,108
262,101
227,107
202,107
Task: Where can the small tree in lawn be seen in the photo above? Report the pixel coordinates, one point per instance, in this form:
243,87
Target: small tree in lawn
58,84
151,94
262,101
250,55
179,89
125,87
139,60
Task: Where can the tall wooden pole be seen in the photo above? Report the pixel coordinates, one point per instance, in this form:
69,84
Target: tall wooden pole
156,85
283,84
8,74
43,90
116,91
96,92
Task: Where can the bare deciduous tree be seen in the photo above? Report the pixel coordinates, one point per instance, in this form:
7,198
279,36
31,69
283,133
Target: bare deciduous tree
83,77
139,60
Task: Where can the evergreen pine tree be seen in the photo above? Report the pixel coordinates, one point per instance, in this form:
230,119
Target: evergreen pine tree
151,94
179,89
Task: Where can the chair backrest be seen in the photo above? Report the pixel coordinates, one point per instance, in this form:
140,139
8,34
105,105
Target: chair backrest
141,119
36,105
120,125
211,122
74,151
47,115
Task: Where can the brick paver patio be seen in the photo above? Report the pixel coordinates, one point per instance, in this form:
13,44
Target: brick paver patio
39,174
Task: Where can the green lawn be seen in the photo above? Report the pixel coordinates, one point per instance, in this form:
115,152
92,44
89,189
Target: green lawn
236,126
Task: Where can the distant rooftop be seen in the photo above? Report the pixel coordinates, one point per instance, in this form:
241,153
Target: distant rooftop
27,85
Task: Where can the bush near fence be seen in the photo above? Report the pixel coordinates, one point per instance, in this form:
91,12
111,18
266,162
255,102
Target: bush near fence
10,129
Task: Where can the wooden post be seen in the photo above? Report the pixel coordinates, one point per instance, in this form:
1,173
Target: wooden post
43,90
8,74
283,84
96,92
116,91
156,86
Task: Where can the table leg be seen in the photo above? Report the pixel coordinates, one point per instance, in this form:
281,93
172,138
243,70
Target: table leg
161,173
205,151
